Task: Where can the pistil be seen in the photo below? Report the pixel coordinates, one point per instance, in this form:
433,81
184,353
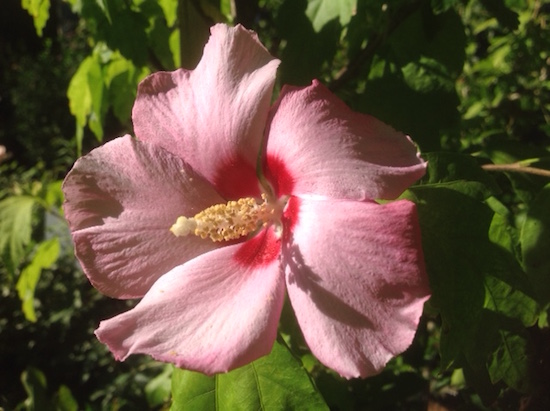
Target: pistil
228,221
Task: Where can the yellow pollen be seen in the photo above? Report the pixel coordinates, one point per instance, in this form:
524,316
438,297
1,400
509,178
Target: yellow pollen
226,221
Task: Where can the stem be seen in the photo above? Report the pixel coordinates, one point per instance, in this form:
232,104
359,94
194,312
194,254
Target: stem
517,168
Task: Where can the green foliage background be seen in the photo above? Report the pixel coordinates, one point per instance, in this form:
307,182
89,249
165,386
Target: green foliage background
468,80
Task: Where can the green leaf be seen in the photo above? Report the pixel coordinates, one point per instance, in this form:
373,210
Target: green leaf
424,115
427,75
15,228
510,362
502,232
127,34
512,302
508,291
64,400
40,12
477,283
306,50
454,229
440,6
97,92
169,8
506,17
535,245
121,78
54,194
226,10
212,9
174,44
458,172
274,382
193,390
85,94
194,30
437,37
320,12
157,391
34,382
411,82
526,186
45,256
104,6
159,42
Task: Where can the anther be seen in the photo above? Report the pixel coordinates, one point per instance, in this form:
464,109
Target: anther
226,221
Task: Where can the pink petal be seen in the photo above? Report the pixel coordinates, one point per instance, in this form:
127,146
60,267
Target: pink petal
317,145
120,202
212,314
214,116
356,280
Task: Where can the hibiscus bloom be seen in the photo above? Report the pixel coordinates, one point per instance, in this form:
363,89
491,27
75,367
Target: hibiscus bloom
223,205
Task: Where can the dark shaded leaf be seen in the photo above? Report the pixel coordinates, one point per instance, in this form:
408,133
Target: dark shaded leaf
535,245
306,50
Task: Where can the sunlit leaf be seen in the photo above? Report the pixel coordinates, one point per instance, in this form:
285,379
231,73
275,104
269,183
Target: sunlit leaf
320,12
40,12
193,390
15,228
97,93
169,8
121,80
275,382
64,400
227,10
85,95
45,256
80,100
174,44
54,195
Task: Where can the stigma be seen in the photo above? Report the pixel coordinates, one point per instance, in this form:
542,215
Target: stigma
230,221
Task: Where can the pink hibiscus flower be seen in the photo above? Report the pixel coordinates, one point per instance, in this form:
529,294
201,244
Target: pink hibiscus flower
180,218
